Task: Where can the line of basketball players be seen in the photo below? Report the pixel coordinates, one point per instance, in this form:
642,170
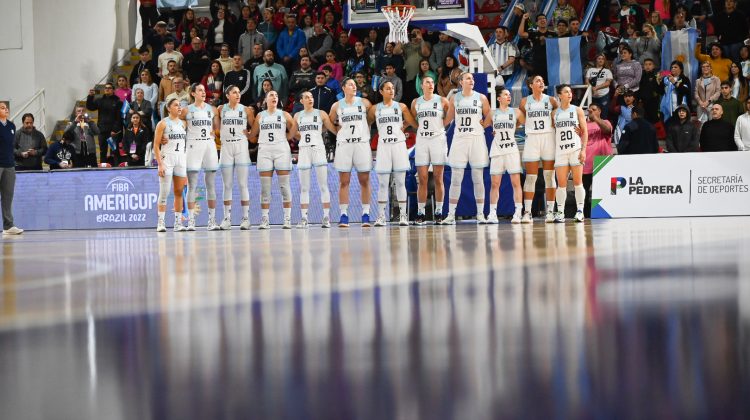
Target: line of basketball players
555,134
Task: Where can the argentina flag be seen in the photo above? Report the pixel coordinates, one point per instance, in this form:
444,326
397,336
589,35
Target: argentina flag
680,45
564,61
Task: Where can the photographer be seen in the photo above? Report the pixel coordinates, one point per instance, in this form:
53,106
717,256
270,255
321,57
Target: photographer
83,131
60,155
599,77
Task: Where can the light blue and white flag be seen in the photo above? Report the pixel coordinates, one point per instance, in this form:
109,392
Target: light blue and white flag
680,45
517,85
564,61
176,4
125,110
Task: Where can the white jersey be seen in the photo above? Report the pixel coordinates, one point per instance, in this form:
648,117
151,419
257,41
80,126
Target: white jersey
566,122
200,122
353,122
468,115
504,125
538,115
310,126
272,128
175,133
233,124
390,122
430,116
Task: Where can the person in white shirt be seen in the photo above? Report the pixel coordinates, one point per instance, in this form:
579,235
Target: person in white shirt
169,54
503,52
742,129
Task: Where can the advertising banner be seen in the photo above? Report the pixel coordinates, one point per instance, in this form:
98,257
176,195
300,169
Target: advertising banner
671,185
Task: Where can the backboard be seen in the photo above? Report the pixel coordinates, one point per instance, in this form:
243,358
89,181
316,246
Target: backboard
367,14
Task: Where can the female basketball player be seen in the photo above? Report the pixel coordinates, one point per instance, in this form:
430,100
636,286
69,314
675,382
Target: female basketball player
235,155
469,146
270,131
571,137
392,156
312,152
540,144
430,111
201,153
504,155
352,149
171,161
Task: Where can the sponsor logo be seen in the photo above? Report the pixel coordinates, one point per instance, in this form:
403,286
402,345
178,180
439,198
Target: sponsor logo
636,186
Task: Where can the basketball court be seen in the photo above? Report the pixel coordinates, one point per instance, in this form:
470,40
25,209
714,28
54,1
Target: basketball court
634,318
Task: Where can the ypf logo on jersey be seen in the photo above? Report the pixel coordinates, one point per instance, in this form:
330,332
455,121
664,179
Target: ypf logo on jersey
120,203
638,187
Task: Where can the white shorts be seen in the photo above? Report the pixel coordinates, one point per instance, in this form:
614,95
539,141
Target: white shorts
174,164
353,155
234,153
432,151
510,163
539,146
392,158
471,150
276,157
201,154
310,156
568,158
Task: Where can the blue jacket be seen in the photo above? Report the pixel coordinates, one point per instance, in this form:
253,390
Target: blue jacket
7,144
289,45
323,98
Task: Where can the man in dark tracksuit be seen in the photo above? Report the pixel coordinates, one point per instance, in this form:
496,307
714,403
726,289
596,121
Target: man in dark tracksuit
7,170
109,120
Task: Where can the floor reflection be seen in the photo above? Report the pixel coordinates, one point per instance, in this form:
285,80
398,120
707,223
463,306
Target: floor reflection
605,320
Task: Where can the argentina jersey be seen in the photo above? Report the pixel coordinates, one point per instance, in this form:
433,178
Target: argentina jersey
233,124
430,116
468,115
504,126
175,133
200,122
353,122
566,137
272,128
390,123
310,127
538,115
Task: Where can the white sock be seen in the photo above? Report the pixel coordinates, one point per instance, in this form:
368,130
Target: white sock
228,211
211,212
161,216
421,207
452,208
519,208
326,211
438,207
246,212
264,212
177,218
493,209
561,195
287,212
366,208
344,209
402,207
480,207
580,196
550,206
527,205
191,213
304,213
381,207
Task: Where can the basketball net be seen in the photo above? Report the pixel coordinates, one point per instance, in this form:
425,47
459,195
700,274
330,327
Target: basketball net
398,16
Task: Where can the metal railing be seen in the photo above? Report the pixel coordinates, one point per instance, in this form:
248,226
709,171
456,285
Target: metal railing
35,106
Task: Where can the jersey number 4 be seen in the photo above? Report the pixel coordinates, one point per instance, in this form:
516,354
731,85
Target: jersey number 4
231,131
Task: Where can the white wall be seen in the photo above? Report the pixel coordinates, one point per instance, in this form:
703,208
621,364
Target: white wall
68,46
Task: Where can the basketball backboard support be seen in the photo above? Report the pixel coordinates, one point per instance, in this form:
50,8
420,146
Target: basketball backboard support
367,14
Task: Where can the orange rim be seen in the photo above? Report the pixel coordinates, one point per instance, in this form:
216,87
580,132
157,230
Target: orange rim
400,8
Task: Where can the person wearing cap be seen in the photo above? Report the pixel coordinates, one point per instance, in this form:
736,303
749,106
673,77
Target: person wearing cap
717,135
682,134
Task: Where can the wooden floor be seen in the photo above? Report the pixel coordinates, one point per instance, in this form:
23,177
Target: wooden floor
638,318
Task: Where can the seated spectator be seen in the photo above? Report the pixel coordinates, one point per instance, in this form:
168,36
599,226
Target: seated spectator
220,32
337,71
707,91
142,107
717,135
213,81
267,28
83,131
168,55
627,73
648,45
364,89
719,64
319,44
742,129
563,11
390,76
676,90
109,117
290,40
272,71
639,136
189,47
249,39
732,107
166,84
123,91
323,96
61,155
599,144
134,141
600,78
738,81
359,62
144,63
731,28
424,71
242,78
682,134
342,49
225,59
449,77
650,90
29,146
302,79
196,63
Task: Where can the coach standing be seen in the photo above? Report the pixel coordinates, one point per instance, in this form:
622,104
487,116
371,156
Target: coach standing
7,170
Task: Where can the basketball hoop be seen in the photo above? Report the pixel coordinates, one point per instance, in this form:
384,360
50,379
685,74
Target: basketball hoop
398,16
